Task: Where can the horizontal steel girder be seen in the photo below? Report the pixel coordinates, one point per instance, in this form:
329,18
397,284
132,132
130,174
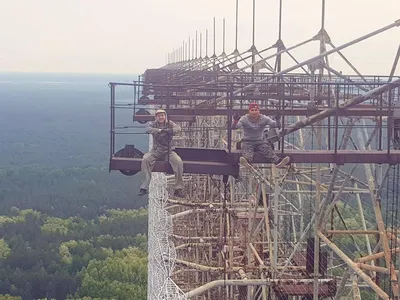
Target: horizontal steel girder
219,162
190,167
175,118
173,100
188,114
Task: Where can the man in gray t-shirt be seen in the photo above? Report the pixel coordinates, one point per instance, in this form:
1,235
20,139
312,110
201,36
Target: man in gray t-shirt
253,125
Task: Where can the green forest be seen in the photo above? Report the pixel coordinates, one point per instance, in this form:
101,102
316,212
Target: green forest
69,229
51,257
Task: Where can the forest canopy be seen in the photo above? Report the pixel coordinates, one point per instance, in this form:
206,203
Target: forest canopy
69,229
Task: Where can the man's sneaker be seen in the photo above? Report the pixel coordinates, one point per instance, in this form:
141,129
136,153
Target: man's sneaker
142,192
179,193
283,162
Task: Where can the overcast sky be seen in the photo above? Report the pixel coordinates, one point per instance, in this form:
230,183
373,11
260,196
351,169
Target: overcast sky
128,36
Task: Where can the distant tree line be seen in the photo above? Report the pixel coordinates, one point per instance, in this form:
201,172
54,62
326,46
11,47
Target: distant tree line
55,258
85,192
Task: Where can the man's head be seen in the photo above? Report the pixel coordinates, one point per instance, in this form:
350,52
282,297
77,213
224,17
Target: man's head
254,110
161,116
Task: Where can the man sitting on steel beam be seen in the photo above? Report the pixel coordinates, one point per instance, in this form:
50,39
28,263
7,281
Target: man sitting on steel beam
162,132
253,125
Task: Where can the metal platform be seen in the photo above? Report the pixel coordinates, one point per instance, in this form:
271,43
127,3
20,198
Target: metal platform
190,167
220,162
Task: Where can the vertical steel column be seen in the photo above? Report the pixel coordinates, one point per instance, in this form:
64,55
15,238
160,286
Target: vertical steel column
229,123
196,44
253,57
189,58
223,37
206,43
279,42
112,119
201,44
236,26
193,57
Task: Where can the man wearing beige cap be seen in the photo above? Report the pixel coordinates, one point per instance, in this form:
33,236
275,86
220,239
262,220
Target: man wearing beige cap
162,132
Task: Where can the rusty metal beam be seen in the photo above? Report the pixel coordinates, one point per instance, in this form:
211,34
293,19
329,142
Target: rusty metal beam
220,163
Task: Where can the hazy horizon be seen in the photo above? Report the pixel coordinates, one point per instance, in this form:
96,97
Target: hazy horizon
127,37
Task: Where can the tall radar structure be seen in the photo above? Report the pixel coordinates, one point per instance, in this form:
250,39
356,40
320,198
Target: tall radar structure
324,227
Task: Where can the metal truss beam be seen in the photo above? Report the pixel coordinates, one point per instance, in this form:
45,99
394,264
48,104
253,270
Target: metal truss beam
231,167
189,115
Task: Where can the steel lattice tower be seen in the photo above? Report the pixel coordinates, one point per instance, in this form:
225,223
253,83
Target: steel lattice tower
264,234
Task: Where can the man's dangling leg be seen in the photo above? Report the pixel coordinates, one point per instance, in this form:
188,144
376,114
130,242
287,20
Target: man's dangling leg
147,166
246,158
177,166
266,151
247,152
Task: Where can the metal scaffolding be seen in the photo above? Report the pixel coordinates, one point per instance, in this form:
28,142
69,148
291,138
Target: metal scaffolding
327,226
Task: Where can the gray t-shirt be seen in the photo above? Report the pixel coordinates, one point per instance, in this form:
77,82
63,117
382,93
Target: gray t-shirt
254,131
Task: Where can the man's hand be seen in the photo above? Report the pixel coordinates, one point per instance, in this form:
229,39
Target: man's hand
236,117
168,131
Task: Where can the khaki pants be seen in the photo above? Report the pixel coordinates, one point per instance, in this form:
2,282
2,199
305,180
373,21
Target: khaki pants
148,164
